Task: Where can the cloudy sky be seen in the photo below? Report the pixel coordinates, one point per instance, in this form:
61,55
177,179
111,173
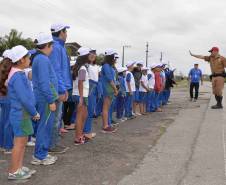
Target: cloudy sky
170,26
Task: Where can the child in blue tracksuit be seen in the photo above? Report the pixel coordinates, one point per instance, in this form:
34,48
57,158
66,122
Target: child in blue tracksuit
120,100
6,132
151,94
109,88
130,91
93,71
99,105
45,90
61,65
22,109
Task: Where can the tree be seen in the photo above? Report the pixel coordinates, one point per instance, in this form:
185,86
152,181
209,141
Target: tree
15,38
100,59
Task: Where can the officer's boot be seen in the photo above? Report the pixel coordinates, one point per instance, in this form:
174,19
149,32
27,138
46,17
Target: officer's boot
219,102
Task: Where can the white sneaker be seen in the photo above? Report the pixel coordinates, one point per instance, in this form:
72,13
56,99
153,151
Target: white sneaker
31,143
49,160
27,170
6,151
125,119
138,114
19,175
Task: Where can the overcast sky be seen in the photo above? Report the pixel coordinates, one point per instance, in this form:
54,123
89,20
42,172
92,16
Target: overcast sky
170,26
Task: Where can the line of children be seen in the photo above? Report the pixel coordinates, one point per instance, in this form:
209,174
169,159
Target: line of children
93,92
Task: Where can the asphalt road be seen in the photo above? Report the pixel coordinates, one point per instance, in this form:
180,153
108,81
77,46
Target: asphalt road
149,150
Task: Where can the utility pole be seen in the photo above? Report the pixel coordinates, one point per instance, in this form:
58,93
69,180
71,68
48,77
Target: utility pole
123,54
161,56
147,45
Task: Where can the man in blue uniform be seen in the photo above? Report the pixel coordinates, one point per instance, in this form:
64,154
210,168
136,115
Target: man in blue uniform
195,76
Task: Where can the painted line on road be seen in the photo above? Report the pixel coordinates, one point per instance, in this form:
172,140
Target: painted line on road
224,147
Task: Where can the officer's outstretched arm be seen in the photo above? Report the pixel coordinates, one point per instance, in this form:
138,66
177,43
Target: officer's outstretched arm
197,56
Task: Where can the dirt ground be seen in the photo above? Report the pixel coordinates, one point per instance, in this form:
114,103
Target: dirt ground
108,158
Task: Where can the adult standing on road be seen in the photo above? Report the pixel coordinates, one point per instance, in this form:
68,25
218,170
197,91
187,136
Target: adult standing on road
217,65
195,76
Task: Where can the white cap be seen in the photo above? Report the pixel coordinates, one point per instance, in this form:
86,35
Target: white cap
110,51
83,51
144,68
140,62
58,27
154,65
18,52
130,63
7,54
43,38
121,69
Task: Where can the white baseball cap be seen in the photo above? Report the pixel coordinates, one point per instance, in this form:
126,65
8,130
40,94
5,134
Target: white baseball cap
58,27
154,65
130,63
140,63
121,69
110,51
43,38
7,54
144,68
83,51
18,52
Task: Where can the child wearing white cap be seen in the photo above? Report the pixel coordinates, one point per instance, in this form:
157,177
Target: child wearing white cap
150,107
80,93
109,88
61,65
22,110
120,99
93,72
143,90
130,90
45,89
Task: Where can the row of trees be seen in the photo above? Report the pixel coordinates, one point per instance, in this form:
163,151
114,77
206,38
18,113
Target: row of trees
14,38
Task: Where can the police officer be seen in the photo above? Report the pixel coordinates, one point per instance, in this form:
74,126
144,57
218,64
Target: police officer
217,65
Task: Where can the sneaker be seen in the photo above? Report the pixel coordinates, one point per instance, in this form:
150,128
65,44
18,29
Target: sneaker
195,100
2,149
49,160
31,143
115,123
27,170
7,151
63,131
131,117
58,149
138,114
124,119
19,175
109,129
81,141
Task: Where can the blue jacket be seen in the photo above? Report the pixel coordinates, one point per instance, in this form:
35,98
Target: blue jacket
45,84
61,65
21,95
122,85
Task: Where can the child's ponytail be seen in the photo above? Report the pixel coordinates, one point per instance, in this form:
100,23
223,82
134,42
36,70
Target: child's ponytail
5,67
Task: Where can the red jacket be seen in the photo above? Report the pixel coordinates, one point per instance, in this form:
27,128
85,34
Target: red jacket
158,82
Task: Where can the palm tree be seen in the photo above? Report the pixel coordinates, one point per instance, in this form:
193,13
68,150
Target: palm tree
14,38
